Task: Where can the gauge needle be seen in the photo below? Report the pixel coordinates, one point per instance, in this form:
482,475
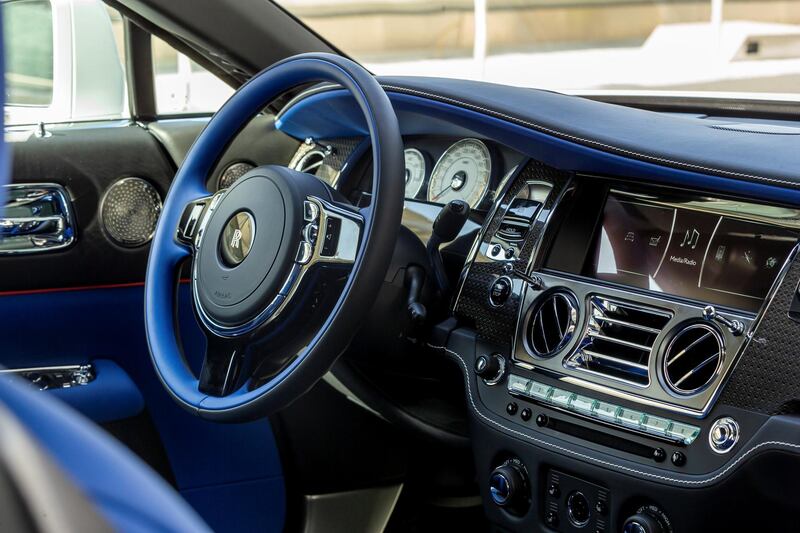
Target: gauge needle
443,191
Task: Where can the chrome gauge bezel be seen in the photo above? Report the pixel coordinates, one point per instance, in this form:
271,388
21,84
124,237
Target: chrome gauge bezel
414,192
438,168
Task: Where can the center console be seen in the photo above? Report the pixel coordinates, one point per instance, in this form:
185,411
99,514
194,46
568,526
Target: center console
614,333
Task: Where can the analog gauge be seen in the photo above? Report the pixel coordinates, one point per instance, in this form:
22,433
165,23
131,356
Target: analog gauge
415,172
462,173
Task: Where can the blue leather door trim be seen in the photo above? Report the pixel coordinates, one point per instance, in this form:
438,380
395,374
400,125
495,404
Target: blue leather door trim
80,326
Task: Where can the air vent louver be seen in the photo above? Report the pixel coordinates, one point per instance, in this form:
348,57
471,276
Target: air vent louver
310,162
619,340
693,359
552,324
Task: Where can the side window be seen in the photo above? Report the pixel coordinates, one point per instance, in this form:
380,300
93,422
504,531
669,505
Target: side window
63,61
183,86
28,28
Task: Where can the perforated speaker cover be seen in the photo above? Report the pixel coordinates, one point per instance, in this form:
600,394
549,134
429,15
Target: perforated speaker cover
130,210
233,172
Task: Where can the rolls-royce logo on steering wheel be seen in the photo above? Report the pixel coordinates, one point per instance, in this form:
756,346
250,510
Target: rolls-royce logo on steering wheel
237,238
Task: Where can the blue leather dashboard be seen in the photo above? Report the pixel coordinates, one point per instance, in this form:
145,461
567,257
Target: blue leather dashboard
758,159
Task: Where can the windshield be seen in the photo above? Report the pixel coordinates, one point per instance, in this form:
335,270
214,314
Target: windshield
747,48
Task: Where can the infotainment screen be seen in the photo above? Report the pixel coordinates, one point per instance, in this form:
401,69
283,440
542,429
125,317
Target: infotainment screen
687,250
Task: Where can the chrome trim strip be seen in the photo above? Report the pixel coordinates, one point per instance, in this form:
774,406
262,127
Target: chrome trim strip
504,186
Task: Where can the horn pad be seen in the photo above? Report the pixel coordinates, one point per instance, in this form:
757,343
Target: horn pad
250,244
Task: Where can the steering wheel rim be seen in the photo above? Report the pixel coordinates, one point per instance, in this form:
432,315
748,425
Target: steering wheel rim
381,221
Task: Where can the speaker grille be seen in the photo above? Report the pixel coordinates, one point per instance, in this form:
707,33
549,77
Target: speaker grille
130,210
233,172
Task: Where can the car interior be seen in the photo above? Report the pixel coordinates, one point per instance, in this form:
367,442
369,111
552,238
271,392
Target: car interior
335,301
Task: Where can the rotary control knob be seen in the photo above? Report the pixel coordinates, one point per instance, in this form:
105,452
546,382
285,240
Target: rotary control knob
647,519
508,486
490,368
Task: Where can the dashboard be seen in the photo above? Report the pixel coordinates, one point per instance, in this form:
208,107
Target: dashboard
625,319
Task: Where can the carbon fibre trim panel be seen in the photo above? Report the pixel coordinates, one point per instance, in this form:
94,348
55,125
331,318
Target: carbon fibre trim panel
498,324
767,378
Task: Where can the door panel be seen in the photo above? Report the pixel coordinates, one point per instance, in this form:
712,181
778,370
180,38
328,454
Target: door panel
85,305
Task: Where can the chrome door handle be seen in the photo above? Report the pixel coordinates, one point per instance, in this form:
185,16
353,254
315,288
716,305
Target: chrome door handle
37,218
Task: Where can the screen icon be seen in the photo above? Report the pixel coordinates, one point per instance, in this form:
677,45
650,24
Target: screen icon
720,255
630,236
654,241
691,238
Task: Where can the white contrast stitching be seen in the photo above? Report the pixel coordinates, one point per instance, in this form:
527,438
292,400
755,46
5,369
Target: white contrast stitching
603,461
583,139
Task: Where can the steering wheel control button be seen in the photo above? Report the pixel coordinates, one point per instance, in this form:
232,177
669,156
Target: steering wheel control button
678,459
500,291
490,368
304,253
310,211
237,238
723,435
310,233
333,228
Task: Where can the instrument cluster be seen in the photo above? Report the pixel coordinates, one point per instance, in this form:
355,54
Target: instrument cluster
462,172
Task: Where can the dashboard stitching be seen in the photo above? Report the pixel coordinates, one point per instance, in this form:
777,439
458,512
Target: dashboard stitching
602,461
583,139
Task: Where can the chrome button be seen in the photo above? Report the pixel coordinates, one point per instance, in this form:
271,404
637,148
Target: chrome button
723,435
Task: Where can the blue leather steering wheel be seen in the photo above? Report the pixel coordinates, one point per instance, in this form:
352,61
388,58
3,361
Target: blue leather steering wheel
283,267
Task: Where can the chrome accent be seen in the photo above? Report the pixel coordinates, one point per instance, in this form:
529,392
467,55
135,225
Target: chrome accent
734,326
505,185
561,311
674,382
501,372
37,218
654,393
624,319
345,253
723,435
52,377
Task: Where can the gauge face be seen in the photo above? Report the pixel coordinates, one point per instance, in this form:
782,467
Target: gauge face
415,172
462,173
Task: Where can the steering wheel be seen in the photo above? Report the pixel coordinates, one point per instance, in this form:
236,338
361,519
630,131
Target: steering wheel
282,267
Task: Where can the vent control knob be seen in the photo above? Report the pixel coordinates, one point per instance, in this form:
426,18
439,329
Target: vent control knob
724,434
508,486
491,368
647,519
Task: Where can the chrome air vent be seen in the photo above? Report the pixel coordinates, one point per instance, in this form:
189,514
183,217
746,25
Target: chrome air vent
619,340
693,358
552,324
310,162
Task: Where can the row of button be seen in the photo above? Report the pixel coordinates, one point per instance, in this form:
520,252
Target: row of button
604,411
